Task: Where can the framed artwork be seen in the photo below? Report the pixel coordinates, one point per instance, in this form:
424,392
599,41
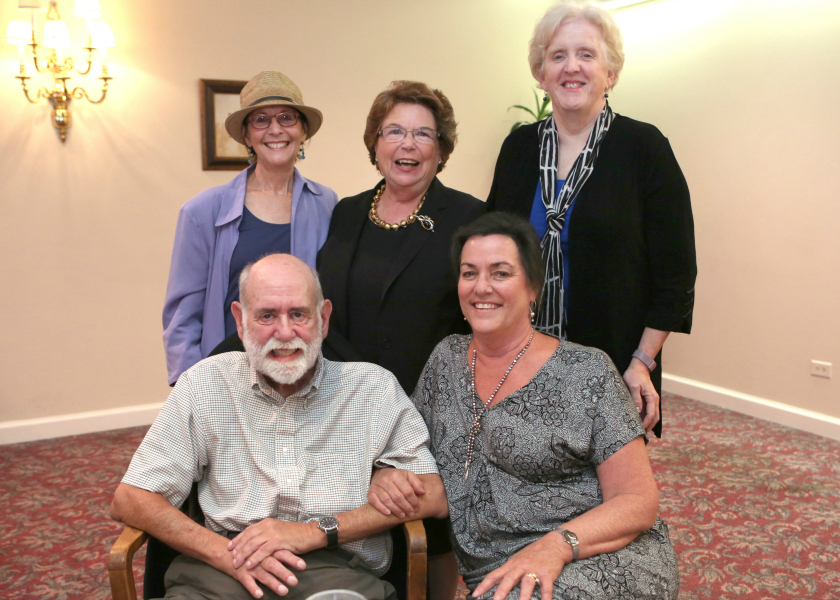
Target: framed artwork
219,151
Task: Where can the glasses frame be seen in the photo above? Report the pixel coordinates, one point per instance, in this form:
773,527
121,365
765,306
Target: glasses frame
413,132
276,117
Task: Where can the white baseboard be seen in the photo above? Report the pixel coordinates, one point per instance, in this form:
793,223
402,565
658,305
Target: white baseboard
769,410
13,432
28,430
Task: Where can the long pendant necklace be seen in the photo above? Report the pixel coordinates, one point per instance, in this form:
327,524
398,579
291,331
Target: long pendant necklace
477,414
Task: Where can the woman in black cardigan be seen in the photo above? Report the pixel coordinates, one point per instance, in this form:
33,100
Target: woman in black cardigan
385,264
608,198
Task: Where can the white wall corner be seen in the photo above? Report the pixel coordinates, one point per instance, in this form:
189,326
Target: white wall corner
769,410
28,430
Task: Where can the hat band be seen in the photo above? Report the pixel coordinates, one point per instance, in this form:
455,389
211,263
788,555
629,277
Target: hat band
272,98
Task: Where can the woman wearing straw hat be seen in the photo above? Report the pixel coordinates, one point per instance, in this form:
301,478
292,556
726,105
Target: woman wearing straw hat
269,207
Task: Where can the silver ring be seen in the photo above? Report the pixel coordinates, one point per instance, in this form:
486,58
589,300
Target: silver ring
534,576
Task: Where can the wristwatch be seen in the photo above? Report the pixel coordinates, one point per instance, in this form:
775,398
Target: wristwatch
329,525
649,362
571,539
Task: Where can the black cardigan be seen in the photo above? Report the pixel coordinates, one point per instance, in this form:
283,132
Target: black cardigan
419,306
632,261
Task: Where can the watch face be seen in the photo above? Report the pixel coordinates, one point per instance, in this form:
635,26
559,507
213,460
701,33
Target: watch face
570,537
328,523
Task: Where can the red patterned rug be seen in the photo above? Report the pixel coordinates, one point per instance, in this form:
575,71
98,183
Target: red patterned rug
753,507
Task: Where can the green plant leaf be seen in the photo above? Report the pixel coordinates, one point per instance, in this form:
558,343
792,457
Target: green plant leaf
543,110
526,109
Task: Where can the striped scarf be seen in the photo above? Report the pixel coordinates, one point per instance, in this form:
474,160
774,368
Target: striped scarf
550,318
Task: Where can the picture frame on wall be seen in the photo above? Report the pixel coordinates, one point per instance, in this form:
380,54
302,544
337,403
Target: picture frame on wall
219,151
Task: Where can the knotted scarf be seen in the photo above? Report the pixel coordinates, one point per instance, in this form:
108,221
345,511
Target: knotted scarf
550,318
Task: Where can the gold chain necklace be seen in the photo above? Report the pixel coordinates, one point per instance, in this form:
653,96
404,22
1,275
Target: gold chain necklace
425,221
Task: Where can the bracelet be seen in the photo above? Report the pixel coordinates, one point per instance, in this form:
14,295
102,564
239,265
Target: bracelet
649,362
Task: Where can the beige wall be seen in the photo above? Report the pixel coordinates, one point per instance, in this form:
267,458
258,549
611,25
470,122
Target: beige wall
747,92
87,226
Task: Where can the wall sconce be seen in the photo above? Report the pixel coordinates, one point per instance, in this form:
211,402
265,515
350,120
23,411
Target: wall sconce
48,56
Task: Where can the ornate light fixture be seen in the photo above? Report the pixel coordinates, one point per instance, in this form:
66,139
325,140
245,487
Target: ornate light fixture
48,56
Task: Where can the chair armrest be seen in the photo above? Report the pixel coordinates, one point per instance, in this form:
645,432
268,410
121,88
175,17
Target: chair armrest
415,538
119,563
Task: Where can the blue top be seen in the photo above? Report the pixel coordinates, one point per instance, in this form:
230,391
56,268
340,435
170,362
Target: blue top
538,220
256,239
206,234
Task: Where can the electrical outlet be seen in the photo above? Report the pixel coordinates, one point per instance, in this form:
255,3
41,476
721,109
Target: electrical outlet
821,369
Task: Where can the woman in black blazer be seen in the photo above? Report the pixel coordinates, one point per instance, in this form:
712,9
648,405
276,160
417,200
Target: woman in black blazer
385,265
608,198
394,295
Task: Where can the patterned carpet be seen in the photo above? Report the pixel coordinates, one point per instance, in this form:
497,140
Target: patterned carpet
753,507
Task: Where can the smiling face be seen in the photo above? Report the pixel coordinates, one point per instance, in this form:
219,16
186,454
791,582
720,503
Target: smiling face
493,288
575,72
275,146
280,324
407,164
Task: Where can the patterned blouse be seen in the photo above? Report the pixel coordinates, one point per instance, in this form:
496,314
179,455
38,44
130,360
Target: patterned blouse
534,467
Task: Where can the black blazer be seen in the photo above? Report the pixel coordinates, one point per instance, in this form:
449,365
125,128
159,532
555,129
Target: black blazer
419,305
632,260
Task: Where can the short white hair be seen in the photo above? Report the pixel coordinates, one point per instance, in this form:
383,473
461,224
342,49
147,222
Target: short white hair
556,16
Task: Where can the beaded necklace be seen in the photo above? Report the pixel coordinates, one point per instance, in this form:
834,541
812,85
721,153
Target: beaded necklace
476,424
425,221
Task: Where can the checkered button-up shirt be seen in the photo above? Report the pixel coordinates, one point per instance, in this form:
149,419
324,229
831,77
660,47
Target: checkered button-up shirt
256,454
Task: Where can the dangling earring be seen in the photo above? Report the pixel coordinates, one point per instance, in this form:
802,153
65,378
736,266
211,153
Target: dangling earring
533,307
606,95
545,96
301,154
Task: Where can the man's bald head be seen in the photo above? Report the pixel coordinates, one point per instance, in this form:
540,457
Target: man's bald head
281,265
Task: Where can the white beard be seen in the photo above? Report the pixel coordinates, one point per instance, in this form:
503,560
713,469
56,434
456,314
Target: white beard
284,373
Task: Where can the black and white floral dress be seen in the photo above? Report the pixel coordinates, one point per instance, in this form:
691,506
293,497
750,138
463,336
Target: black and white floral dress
534,467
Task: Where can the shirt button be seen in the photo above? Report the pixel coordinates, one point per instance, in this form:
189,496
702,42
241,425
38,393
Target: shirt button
386,343
289,481
285,449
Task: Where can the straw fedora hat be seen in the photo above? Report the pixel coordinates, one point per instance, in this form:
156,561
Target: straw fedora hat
271,88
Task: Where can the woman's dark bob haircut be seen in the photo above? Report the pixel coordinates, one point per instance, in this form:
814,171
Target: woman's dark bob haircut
514,227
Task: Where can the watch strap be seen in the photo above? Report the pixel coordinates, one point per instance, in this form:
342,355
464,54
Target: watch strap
571,539
329,525
649,362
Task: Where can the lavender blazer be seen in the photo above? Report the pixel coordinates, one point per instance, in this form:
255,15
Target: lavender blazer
206,234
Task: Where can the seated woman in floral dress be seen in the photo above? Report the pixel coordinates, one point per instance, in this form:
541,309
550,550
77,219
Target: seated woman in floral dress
539,444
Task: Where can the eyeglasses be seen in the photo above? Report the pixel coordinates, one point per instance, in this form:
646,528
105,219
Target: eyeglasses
263,121
423,135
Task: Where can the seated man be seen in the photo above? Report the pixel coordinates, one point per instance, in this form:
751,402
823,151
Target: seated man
282,443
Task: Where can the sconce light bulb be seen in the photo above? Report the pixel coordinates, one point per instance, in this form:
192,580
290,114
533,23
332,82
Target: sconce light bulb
56,35
19,33
101,36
